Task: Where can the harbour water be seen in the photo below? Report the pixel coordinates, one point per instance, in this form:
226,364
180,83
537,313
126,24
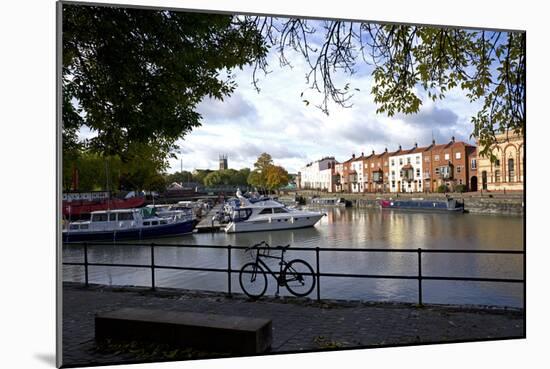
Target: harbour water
358,228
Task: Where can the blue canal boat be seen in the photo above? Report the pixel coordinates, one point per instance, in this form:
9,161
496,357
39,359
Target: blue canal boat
421,204
125,224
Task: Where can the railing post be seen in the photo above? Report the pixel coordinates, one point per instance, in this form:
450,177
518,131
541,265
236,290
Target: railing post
229,270
153,266
318,274
86,264
420,276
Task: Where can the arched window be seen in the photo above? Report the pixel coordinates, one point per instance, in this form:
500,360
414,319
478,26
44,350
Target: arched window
511,170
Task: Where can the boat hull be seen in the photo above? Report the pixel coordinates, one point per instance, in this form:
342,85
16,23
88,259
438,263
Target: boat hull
131,234
422,205
275,224
77,208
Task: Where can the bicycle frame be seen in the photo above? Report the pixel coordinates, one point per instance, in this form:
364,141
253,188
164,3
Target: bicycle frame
282,264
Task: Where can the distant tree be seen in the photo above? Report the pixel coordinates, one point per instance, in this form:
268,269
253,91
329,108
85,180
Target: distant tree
98,172
276,177
241,178
255,180
214,179
179,177
200,174
263,162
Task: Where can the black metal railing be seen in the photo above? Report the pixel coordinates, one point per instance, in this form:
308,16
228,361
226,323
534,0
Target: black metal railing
317,251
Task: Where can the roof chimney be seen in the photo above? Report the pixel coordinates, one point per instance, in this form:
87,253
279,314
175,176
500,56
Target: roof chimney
353,156
399,147
372,152
453,139
362,153
416,145
433,141
386,149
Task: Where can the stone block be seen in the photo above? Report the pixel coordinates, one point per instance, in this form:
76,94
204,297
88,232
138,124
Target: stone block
210,332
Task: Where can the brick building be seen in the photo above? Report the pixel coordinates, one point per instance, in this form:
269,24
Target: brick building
447,164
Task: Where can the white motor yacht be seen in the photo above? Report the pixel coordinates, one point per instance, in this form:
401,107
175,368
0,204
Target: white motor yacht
268,215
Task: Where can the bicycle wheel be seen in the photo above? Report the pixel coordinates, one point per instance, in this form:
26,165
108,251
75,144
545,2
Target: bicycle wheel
299,277
253,280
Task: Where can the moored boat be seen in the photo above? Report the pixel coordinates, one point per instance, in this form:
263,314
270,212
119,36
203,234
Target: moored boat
422,204
77,208
128,224
267,215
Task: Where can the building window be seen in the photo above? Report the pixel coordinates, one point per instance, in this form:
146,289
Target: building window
460,181
418,159
385,163
392,162
418,172
400,161
436,158
457,155
497,175
473,164
510,170
393,173
458,168
446,156
372,165
427,159
393,183
497,163
437,171
408,160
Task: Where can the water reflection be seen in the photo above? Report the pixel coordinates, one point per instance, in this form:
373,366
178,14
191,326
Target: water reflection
345,228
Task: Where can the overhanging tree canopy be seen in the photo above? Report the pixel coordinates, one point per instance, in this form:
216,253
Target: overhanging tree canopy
135,75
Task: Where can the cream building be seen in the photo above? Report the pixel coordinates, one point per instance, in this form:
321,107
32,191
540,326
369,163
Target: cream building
318,175
506,172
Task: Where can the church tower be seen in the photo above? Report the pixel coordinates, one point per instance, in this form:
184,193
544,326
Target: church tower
223,162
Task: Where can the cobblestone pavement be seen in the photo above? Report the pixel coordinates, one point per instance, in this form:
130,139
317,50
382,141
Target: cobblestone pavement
298,324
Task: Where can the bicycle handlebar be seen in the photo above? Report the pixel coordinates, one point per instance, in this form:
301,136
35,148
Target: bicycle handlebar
256,246
283,248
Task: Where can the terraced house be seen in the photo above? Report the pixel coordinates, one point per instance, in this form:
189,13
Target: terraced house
406,170
451,166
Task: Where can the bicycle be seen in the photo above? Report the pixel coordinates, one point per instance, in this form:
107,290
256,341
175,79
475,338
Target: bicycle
296,275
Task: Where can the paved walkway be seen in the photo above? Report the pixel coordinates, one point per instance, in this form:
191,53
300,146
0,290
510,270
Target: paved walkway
298,324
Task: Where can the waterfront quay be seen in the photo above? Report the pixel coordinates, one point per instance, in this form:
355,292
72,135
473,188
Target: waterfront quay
496,202
299,325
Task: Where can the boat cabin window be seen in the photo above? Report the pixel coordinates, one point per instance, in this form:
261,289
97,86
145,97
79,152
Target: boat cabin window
267,211
163,222
146,223
112,217
99,217
84,226
154,222
279,210
243,214
73,226
125,216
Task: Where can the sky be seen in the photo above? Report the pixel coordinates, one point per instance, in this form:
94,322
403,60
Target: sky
277,121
